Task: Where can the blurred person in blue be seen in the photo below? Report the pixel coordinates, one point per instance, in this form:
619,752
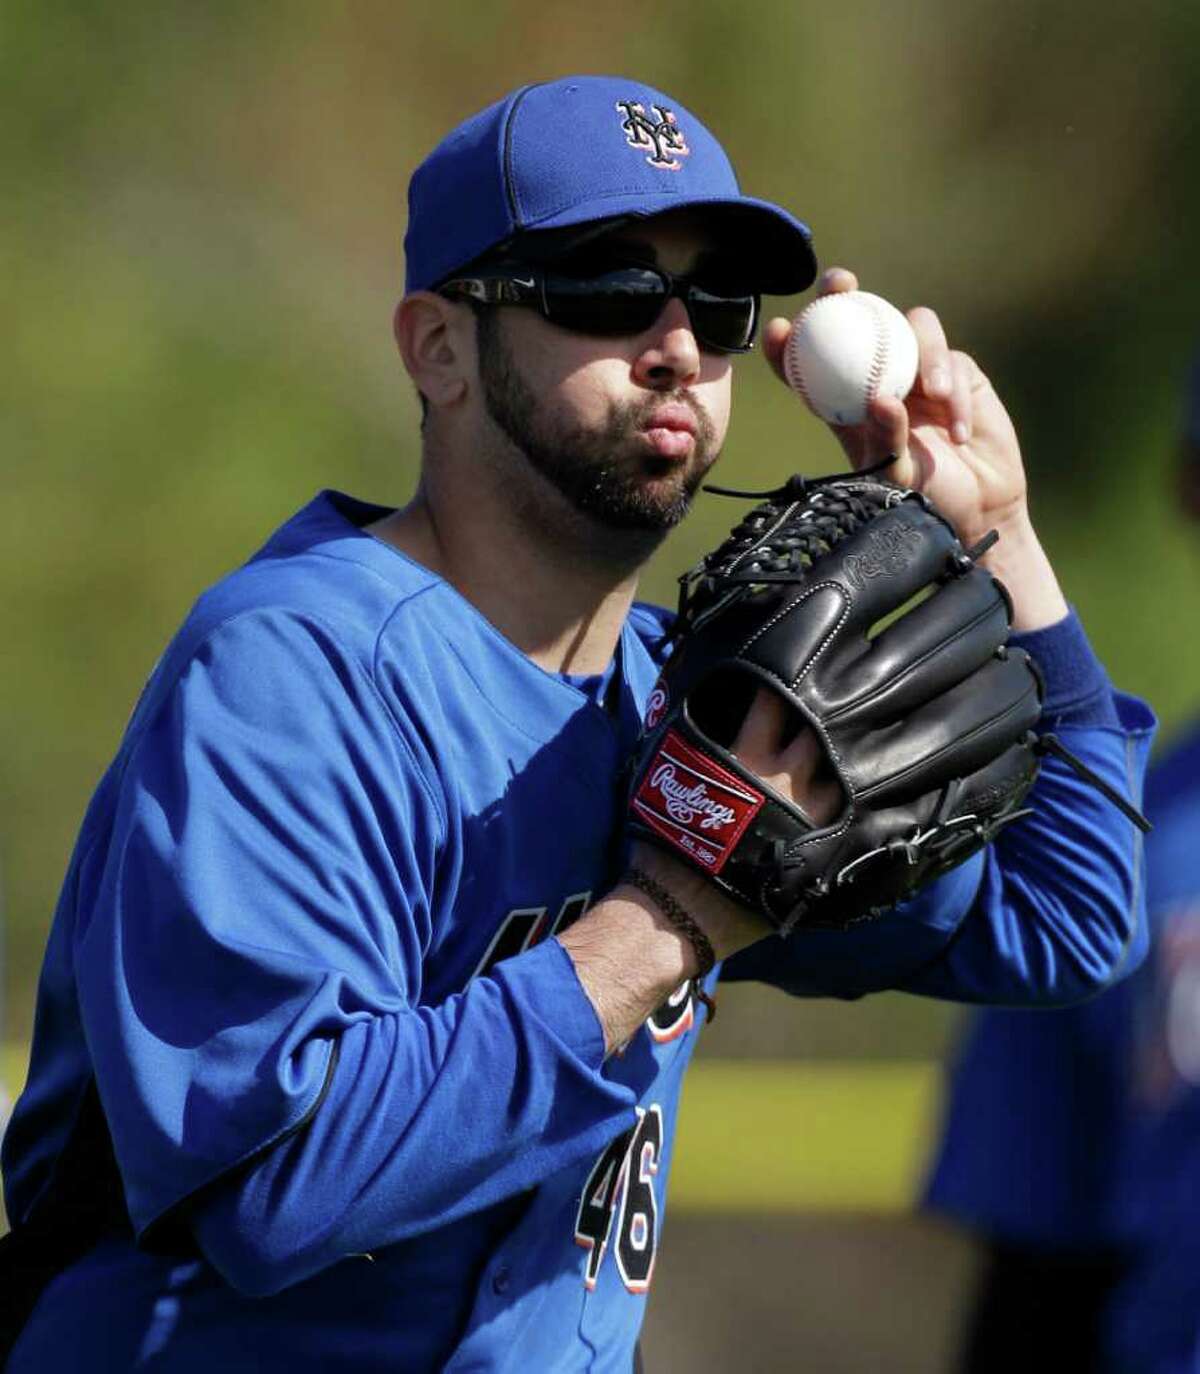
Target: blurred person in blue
355,1046
1071,1145
5,1100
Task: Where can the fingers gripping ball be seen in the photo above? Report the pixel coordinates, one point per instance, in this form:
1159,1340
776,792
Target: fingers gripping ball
854,601
847,348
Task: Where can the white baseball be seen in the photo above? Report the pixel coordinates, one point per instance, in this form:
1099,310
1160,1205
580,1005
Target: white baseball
847,348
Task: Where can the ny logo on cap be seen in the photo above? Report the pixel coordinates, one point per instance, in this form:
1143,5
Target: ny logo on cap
663,135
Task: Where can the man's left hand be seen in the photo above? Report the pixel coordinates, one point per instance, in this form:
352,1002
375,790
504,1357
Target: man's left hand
955,442
953,436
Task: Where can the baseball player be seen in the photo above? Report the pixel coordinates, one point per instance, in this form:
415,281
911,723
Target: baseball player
1072,1141
358,1047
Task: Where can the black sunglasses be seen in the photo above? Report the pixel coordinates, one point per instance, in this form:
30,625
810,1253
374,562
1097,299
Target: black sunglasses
619,300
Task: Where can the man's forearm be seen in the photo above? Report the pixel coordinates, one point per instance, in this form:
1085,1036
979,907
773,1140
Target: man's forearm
630,957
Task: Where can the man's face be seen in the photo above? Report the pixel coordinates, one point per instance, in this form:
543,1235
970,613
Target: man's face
624,428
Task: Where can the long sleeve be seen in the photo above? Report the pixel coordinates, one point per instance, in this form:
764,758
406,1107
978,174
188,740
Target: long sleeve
251,978
431,1115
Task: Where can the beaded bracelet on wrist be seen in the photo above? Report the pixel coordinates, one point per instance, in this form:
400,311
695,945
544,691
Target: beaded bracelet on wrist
687,927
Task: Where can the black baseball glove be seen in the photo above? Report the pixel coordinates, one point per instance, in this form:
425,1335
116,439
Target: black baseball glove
854,599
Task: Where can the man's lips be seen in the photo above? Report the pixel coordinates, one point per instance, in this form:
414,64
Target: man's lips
671,431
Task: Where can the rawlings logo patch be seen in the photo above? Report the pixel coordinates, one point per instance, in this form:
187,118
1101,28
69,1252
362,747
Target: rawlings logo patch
688,801
888,551
662,135
695,803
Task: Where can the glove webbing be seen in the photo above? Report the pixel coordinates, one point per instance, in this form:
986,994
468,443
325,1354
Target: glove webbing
778,555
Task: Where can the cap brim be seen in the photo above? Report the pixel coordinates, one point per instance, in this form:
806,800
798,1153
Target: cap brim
777,246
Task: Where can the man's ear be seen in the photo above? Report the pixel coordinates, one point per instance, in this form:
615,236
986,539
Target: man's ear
436,339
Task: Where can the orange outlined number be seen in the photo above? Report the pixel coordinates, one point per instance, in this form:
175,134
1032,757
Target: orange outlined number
622,1182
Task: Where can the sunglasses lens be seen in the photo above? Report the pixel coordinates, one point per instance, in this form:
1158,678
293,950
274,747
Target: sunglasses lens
626,300
724,322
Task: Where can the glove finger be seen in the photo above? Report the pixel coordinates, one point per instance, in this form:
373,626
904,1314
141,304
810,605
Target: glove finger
936,644
866,577
979,808
953,735
1011,772
889,561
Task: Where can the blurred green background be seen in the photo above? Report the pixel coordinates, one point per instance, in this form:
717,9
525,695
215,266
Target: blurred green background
200,249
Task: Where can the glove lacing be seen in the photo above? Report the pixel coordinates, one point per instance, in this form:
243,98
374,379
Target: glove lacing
778,542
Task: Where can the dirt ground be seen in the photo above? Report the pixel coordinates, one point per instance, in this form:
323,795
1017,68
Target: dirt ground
806,1295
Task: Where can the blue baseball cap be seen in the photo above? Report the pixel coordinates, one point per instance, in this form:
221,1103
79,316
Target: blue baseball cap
584,151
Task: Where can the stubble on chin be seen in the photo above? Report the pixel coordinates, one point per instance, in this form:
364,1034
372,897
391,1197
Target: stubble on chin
604,472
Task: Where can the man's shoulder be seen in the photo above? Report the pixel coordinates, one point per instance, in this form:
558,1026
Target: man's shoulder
323,557
320,565
311,605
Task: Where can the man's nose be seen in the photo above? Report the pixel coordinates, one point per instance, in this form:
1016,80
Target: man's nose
671,356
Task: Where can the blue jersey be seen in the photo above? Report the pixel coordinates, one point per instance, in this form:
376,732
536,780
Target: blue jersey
358,1098
1082,1129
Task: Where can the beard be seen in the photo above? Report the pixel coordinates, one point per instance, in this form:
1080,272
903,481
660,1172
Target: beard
597,469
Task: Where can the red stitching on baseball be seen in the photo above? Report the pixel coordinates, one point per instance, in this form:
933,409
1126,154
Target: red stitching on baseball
879,361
